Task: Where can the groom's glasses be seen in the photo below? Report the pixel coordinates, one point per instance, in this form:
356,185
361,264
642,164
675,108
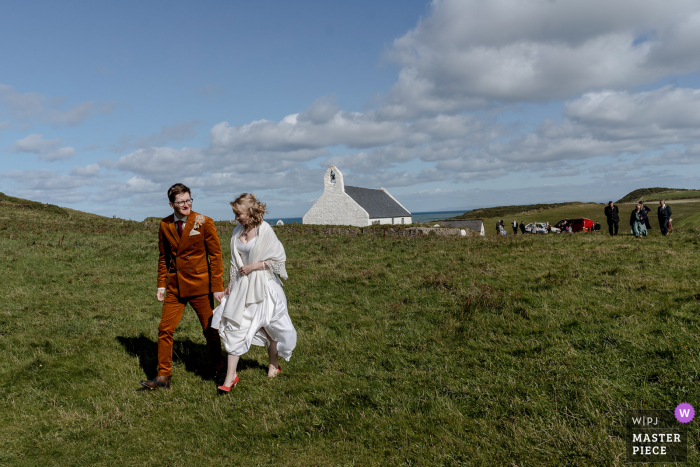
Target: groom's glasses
182,203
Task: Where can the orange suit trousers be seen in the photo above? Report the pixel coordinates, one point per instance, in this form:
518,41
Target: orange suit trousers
173,308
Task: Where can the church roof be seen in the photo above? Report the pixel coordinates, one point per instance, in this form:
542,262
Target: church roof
377,203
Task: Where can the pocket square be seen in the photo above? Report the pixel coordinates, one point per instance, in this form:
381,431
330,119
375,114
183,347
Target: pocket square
194,232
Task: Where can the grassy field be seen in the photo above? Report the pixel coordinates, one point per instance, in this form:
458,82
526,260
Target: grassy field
520,351
501,211
692,221
594,212
671,195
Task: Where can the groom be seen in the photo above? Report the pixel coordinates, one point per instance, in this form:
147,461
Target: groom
190,270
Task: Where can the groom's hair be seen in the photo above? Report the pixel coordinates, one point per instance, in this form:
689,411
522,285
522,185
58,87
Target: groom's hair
177,189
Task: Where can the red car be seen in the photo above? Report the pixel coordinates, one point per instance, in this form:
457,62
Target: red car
576,225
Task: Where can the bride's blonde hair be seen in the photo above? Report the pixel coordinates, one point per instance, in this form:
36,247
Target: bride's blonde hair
256,209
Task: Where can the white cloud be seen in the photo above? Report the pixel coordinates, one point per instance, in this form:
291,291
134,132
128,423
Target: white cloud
45,149
49,185
469,52
177,132
33,107
89,171
321,125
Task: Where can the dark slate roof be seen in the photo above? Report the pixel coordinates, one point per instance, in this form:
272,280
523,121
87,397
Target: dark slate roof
474,224
376,202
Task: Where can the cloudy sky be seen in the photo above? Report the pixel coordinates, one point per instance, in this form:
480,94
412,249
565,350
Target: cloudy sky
450,104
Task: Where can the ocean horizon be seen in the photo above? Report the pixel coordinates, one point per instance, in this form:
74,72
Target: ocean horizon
418,217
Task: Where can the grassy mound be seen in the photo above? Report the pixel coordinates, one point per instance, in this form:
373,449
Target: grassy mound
521,350
673,195
649,194
19,203
506,211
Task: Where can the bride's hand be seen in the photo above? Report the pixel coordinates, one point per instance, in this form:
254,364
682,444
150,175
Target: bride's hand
247,269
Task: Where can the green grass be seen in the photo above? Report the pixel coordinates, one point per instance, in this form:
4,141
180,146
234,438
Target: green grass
522,350
690,221
675,194
644,193
594,212
658,193
501,211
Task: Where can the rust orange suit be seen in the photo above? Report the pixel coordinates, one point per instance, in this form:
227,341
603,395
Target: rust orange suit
190,267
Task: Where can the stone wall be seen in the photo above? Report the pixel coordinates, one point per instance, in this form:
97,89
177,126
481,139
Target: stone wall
383,232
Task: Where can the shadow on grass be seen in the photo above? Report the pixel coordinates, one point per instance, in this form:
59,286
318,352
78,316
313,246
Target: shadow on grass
192,354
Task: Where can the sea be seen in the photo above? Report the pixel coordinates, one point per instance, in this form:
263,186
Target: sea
418,217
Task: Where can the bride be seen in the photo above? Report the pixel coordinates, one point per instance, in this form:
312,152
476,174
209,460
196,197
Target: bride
255,311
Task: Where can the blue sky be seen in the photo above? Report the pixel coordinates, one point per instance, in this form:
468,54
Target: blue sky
449,105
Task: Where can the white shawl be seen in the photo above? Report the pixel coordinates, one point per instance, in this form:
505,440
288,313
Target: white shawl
252,288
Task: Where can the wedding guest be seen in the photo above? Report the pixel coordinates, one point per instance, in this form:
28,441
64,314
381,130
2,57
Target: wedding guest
613,217
522,227
647,210
664,215
515,227
638,221
255,312
597,226
548,228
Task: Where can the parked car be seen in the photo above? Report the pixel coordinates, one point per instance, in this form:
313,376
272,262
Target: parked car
536,228
576,225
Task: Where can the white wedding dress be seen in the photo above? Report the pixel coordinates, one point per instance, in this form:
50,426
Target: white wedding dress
270,314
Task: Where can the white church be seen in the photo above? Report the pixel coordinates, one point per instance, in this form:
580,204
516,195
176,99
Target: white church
349,205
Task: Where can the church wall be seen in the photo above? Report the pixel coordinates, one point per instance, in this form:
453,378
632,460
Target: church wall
391,220
336,208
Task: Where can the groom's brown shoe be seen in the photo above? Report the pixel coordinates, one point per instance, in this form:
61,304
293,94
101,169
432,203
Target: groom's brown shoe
157,383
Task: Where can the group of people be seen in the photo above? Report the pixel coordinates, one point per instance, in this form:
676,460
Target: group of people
501,229
252,308
639,218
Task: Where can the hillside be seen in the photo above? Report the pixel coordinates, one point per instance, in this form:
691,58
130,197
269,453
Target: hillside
658,193
19,203
505,211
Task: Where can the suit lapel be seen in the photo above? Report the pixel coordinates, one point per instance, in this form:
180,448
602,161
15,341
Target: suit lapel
173,231
186,230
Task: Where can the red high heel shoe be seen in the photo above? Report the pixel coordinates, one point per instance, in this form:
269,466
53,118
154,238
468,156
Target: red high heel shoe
228,388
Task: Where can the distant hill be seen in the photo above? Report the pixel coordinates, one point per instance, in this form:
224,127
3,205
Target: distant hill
657,193
27,204
503,211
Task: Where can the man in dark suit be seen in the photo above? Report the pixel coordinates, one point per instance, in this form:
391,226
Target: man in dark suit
190,270
646,210
522,226
664,214
611,213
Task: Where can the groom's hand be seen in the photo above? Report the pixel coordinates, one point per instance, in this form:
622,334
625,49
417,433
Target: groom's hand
218,296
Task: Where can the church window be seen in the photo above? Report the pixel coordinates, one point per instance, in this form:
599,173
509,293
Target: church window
332,177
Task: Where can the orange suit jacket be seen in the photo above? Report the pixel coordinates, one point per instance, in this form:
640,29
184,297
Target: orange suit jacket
191,265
